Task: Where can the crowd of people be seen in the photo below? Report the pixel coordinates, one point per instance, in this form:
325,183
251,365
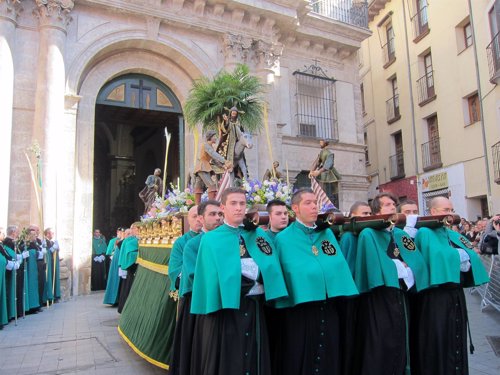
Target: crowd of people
295,299
29,272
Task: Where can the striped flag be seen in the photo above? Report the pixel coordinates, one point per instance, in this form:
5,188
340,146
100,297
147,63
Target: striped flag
321,196
224,184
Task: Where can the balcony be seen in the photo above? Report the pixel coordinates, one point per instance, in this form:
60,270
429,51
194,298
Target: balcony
397,166
352,12
493,52
392,109
426,92
431,155
495,150
388,53
420,23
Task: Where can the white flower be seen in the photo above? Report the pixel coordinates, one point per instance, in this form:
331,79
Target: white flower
278,194
257,198
183,209
265,183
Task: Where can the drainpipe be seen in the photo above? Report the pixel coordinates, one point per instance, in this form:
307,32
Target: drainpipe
412,105
480,96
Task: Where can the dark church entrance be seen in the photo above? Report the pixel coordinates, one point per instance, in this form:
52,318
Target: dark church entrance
131,115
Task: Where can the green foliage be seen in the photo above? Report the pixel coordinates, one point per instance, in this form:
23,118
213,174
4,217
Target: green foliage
208,99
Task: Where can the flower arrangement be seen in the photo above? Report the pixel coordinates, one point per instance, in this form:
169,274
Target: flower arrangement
175,202
262,192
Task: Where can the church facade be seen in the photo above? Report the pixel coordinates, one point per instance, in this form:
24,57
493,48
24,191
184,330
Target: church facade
96,82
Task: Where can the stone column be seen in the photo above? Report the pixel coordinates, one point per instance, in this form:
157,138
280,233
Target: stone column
266,58
53,16
236,49
9,10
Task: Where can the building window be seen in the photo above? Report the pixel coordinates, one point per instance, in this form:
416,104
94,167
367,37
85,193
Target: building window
426,91
420,21
367,155
389,48
362,91
431,150
473,109
316,104
468,35
397,161
493,49
392,104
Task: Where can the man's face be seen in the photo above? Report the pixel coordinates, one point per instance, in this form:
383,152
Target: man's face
127,233
409,209
32,235
134,230
234,209
322,144
361,211
442,207
49,235
194,220
278,218
212,217
307,209
387,206
212,140
97,233
276,164
234,114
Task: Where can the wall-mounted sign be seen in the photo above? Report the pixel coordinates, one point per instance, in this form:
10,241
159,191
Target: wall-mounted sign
435,182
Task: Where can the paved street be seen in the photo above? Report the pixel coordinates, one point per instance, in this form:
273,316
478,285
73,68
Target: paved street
80,336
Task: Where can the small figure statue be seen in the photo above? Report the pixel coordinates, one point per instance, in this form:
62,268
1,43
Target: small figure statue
277,175
322,168
204,170
150,191
232,144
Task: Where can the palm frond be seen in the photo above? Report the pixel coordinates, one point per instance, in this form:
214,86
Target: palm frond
208,98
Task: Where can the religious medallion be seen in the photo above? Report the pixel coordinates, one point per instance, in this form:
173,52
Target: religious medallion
243,250
315,250
396,251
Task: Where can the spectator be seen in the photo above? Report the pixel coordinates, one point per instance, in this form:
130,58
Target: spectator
489,240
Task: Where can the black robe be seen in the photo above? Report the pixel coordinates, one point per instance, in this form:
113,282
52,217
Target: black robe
19,275
223,338
125,286
183,338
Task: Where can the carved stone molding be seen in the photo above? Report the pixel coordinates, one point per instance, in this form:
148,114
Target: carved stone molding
266,54
54,13
10,9
236,47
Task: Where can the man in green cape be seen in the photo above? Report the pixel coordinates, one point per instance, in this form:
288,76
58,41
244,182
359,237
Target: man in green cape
388,267
175,262
98,271
32,282
316,274
113,280
278,217
126,264
235,270
52,289
16,250
211,217
440,345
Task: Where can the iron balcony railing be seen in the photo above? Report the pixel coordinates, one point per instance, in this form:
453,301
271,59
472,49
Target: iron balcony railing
431,154
352,12
392,109
426,91
493,52
495,150
397,165
420,22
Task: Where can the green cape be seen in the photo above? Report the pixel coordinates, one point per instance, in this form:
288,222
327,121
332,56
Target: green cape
111,246
11,285
311,277
175,262
47,290
374,268
272,235
443,259
128,253
98,246
348,245
32,295
217,282
189,264
4,318
113,283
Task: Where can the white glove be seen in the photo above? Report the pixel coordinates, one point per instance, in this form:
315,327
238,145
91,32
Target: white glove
411,220
10,265
26,254
404,273
18,264
40,255
464,260
122,273
19,257
43,251
96,259
111,257
103,258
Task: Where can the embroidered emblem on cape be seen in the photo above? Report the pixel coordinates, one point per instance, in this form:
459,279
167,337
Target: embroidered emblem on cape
465,242
396,252
314,250
408,243
264,246
328,248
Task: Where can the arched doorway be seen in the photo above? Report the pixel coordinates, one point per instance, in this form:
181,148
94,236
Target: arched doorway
131,114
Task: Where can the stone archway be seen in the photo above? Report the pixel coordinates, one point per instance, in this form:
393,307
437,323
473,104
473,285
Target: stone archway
92,79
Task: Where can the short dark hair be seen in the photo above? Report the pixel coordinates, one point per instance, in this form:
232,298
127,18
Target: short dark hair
405,202
376,207
229,191
297,196
273,203
202,207
357,205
